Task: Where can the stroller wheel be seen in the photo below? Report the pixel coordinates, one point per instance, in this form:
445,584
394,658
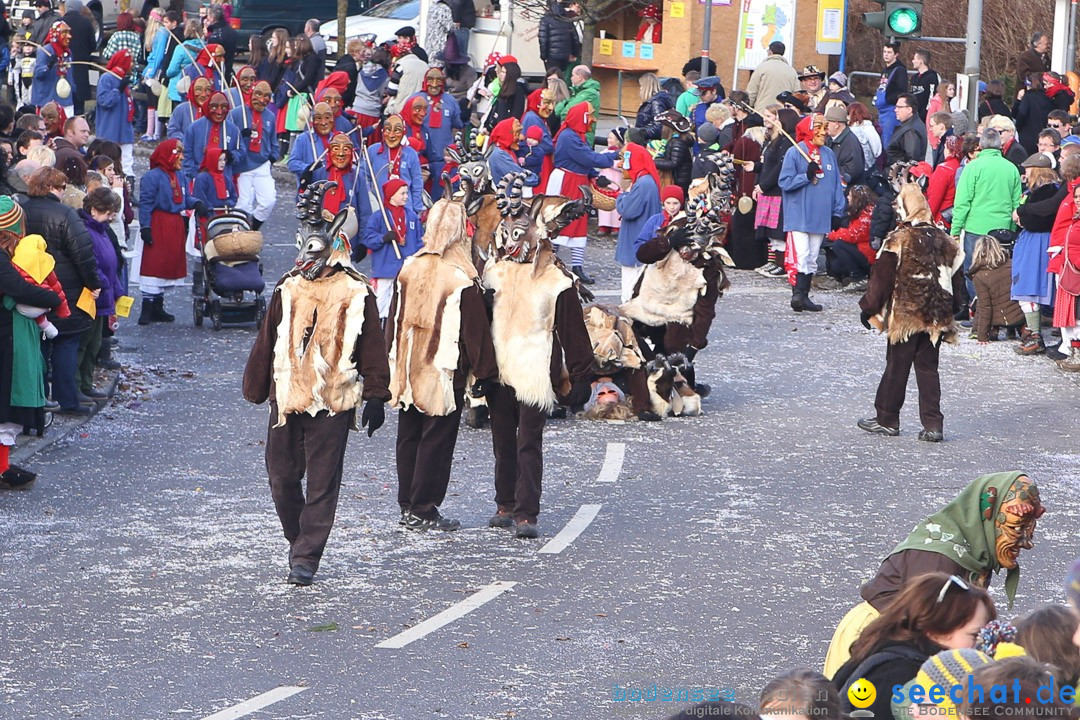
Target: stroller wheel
215,314
260,311
197,310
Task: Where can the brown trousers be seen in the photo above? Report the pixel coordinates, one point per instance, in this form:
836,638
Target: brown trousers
919,352
425,453
517,434
312,446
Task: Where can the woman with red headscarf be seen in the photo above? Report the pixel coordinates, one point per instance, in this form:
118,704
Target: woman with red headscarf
505,140
162,196
115,108
575,164
391,236
640,210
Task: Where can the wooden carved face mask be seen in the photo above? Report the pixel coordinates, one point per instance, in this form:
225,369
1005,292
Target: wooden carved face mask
341,152
393,131
322,118
260,96
333,98
246,80
1014,523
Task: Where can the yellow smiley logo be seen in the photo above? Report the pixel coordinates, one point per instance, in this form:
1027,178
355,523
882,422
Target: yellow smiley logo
862,693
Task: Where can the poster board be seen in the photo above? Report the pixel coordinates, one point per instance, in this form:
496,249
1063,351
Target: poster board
760,23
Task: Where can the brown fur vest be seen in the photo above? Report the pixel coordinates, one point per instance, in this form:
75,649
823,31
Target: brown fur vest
922,301
424,351
666,292
321,323
523,321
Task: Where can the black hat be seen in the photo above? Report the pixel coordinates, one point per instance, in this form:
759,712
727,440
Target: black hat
43,3
789,98
407,31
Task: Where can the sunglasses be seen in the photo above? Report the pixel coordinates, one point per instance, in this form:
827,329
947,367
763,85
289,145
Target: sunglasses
953,580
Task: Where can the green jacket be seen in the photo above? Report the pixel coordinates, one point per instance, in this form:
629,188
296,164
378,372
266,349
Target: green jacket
588,91
988,193
687,101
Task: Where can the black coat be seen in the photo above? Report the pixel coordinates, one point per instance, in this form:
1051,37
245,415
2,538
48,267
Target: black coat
40,27
463,12
772,160
13,286
347,65
558,37
902,664
650,110
82,47
222,34
993,105
509,107
678,159
1029,114
1038,212
849,156
68,241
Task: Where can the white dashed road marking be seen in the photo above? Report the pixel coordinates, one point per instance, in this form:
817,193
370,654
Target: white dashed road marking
613,462
447,616
256,703
575,527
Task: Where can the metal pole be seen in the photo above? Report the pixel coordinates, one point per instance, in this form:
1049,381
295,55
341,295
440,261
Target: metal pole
1070,49
971,55
706,39
843,40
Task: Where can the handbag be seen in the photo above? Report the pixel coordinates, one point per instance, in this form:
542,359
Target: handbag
294,122
1069,279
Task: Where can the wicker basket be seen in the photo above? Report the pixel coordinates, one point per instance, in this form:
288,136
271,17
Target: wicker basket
601,201
234,244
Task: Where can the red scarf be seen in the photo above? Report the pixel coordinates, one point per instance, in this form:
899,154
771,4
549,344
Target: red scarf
414,131
337,198
120,64
502,135
804,134
393,157
397,214
164,157
210,165
255,141
641,163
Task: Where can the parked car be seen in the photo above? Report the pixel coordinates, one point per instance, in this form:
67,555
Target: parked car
512,30
262,17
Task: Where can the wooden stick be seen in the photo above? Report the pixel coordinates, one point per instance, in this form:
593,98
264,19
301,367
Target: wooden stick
99,67
795,144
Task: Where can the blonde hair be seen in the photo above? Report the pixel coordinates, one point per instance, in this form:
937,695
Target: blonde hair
43,155
1000,122
717,112
988,254
150,34
648,85
1041,176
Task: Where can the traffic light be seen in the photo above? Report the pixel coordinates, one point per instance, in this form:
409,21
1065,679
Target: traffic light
899,20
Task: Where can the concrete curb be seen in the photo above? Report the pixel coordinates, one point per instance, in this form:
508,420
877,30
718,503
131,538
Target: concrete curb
24,450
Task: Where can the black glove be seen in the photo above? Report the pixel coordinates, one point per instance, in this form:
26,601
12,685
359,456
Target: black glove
602,181
359,252
480,388
812,170
837,223
579,394
305,177
228,157
864,318
690,352
147,238
124,82
373,417
246,132
679,239
201,210
390,237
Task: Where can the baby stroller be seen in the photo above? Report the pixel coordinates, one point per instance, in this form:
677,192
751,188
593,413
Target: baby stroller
231,273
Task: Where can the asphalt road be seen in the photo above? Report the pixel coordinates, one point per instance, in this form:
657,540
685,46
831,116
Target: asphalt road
144,575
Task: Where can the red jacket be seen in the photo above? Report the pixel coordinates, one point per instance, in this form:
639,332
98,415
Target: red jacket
941,192
50,283
858,233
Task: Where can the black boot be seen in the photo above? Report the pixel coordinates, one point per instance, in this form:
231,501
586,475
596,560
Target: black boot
105,360
256,224
146,316
800,294
159,314
580,272
197,282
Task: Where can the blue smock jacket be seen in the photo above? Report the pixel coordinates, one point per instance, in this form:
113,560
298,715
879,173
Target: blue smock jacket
43,86
410,173
197,137
207,193
384,263
155,193
810,208
113,104
639,207
269,150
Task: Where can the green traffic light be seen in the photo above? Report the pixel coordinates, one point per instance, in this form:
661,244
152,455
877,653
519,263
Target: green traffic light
903,21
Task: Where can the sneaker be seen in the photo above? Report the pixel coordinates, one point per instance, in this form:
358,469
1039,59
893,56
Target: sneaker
871,425
766,269
777,272
826,282
527,530
931,436
856,286
501,520
415,522
401,520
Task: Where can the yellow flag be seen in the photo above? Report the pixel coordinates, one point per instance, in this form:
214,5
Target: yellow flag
123,305
87,303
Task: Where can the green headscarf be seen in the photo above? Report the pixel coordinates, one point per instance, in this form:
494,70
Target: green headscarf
964,529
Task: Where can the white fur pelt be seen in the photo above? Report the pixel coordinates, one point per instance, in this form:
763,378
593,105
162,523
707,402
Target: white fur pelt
321,374
666,292
522,324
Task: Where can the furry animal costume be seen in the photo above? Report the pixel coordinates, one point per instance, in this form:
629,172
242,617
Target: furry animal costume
320,336
439,333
